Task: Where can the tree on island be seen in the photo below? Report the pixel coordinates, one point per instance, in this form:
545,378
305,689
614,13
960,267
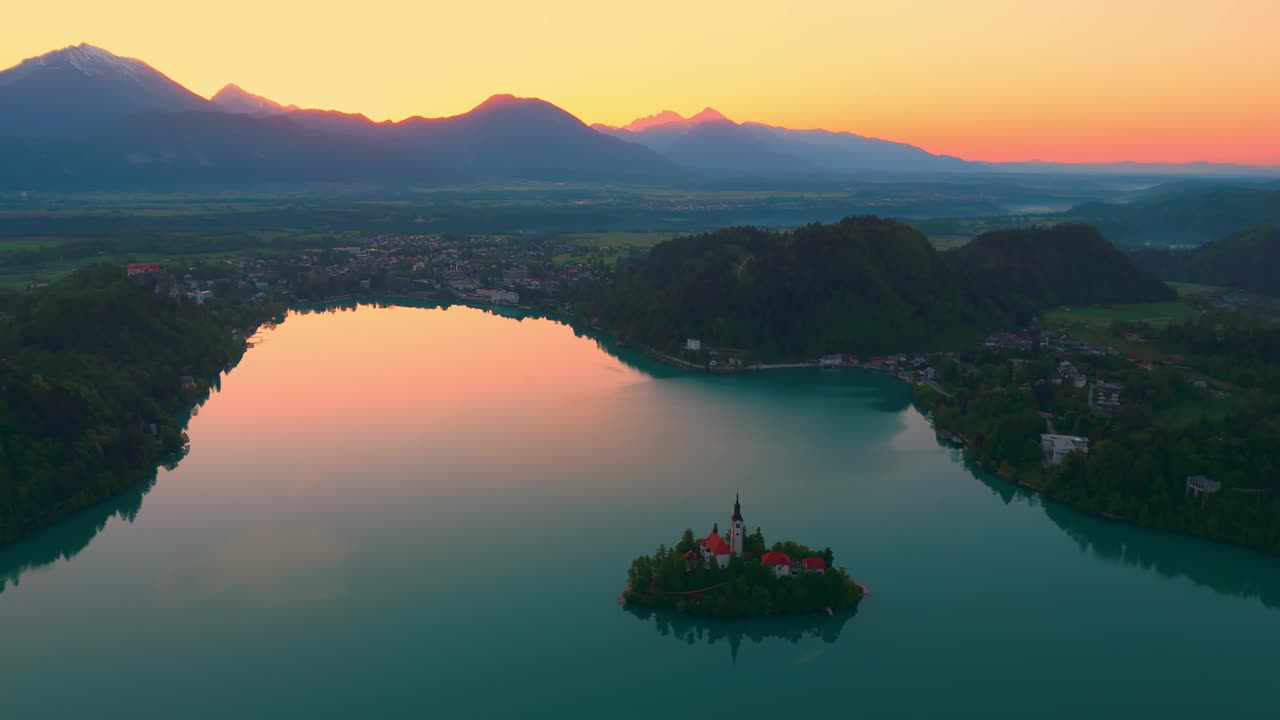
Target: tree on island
745,588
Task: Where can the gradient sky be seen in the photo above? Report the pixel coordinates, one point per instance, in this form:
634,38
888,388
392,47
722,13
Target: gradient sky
1079,81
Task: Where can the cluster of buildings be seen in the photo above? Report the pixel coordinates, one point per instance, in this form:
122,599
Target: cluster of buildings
483,269
1106,395
1052,341
1068,374
714,549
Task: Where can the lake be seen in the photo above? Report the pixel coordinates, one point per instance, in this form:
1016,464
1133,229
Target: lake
408,512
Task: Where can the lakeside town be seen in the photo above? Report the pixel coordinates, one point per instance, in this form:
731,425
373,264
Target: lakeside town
1065,380
539,274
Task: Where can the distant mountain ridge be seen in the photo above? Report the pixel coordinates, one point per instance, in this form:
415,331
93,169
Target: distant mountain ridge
82,117
712,143
66,116
667,119
81,88
234,99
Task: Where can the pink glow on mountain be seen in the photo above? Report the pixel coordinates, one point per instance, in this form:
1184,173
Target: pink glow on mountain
670,118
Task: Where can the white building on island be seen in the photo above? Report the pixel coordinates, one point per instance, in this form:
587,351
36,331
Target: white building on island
714,547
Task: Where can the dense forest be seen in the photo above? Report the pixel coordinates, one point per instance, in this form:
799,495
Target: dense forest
1061,265
1141,453
864,284
1245,260
98,374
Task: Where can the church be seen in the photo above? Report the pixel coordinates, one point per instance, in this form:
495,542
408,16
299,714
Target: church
714,546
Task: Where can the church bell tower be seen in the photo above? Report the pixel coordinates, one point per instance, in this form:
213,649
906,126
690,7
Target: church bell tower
737,533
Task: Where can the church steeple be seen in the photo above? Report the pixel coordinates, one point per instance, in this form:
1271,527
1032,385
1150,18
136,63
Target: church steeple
737,528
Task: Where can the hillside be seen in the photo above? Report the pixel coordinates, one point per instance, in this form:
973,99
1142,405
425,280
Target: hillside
508,136
194,149
1183,213
1245,260
1064,264
78,89
860,285
90,364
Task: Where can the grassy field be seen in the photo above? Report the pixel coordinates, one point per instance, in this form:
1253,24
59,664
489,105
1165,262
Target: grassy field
1156,314
1186,290
124,247
1189,411
14,244
610,246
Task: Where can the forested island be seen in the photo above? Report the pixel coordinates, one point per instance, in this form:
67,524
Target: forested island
98,375
711,578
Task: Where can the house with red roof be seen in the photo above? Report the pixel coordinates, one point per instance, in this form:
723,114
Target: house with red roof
714,545
715,548
691,560
813,565
779,561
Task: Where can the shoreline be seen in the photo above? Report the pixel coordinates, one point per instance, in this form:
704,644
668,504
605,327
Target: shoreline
629,598
1045,494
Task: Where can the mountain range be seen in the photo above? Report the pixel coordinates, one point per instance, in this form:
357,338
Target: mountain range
712,143
84,117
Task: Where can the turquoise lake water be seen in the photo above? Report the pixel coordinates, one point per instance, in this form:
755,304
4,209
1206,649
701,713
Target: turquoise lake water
400,512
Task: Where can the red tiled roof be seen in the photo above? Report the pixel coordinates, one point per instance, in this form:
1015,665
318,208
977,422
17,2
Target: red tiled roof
814,563
775,558
690,555
715,544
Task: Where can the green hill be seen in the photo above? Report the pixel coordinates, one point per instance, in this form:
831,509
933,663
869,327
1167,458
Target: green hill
1061,265
91,396
1246,260
1183,213
861,285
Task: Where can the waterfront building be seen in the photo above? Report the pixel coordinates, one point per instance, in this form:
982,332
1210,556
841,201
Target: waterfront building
1200,485
1056,448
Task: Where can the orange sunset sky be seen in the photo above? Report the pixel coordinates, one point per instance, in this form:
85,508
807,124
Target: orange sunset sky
1079,81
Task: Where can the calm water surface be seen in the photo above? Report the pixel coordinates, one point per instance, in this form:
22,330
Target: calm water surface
404,512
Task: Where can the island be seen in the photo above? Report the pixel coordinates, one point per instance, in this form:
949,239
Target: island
739,576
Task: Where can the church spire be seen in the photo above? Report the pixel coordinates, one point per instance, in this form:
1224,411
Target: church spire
737,508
